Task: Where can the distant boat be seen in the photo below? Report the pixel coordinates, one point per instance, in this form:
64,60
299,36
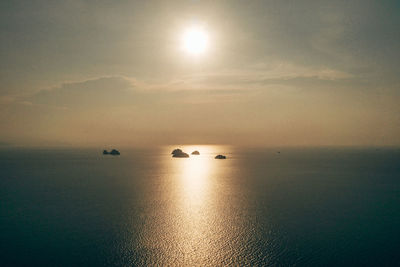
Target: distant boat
113,152
195,152
220,157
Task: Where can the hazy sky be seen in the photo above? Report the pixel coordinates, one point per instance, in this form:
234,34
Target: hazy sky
275,73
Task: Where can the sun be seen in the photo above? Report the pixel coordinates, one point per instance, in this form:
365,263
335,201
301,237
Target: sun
195,40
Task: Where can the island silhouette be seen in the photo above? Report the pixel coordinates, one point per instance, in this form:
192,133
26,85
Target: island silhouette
113,152
178,153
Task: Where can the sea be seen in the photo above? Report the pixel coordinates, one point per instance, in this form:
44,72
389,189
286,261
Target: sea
325,206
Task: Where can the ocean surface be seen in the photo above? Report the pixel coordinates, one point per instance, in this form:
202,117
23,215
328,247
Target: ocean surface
299,207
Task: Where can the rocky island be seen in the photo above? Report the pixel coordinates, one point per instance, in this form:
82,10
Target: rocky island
178,153
195,152
220,157
113,152
176,150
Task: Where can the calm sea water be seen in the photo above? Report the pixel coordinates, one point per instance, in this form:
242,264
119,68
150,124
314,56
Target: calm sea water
303,207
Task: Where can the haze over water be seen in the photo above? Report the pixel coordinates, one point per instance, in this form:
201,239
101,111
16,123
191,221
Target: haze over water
321,206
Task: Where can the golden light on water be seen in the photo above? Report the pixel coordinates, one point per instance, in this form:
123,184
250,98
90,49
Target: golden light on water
190,229
194,175
195,179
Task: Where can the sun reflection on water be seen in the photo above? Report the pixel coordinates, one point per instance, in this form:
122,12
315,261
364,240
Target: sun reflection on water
190,222
194,178
195,201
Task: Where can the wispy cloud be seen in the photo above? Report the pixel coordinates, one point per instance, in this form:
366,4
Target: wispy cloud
257,76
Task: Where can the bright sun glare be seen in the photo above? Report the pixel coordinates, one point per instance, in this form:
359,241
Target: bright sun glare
195,40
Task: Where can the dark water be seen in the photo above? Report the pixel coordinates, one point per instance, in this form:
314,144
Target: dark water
303,207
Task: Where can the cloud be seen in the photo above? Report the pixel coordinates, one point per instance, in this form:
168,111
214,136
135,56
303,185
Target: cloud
260,76
126,111
235,85
119,92
103,92
227,86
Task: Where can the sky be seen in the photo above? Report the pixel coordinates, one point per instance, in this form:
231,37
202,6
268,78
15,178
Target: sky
275,73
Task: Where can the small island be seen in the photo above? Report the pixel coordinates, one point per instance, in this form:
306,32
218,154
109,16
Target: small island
195,152
178,153
220,157
113,152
